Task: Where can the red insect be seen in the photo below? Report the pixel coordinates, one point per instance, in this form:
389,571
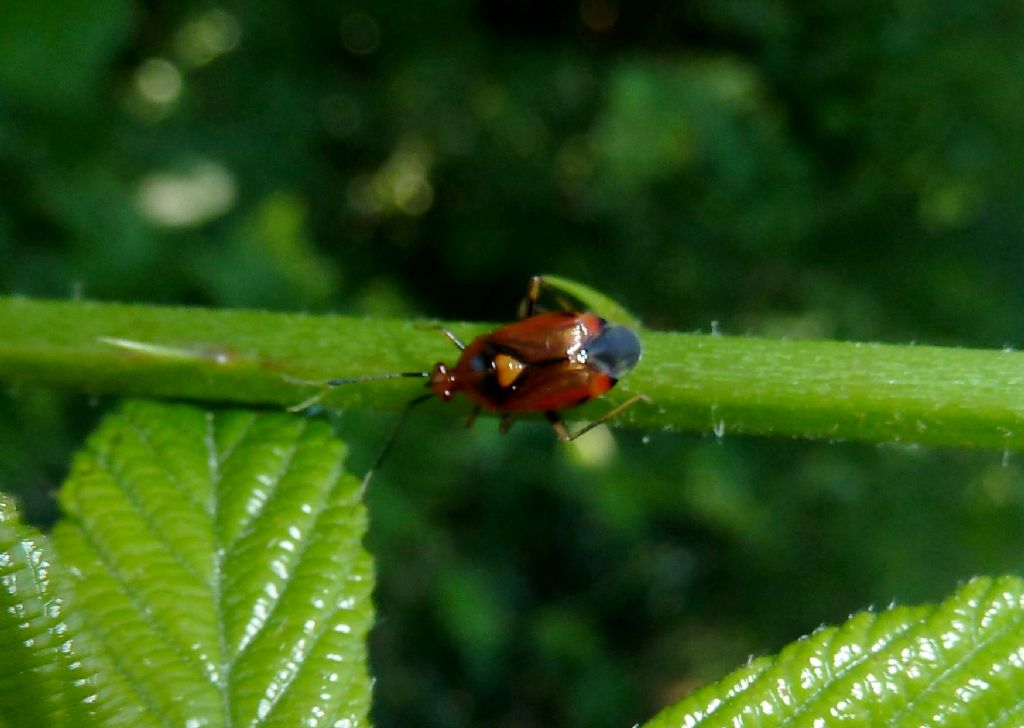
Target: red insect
544,362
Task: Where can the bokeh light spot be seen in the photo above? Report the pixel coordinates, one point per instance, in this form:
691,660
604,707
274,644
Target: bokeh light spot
158,81
949,205
596,449
208,36
183,199
402,184
360,34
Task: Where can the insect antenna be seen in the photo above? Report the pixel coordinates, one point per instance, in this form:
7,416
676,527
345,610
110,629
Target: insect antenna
309,402
376,378
390,441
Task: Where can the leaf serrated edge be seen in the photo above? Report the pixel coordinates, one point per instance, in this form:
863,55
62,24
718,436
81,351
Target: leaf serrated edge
904,622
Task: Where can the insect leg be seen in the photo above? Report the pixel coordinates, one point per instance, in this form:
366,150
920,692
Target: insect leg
386,448
453,338
611,414
558,426
527,307
506,423
472,416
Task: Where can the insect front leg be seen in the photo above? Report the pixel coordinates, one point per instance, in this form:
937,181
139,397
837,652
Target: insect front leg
452,337
392,436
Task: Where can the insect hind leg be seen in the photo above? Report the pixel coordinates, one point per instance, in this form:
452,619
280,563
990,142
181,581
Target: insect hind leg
565,436
559,427
528,306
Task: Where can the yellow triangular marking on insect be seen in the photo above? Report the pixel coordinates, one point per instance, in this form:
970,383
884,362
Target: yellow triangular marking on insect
508,369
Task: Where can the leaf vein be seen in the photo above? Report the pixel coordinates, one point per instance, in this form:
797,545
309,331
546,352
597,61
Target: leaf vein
147,441
323,629
303,550
121,481
230,451
248,526
992,636
216,582
891,637
142,607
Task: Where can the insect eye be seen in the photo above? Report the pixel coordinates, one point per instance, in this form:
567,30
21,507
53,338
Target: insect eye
614,351
479,363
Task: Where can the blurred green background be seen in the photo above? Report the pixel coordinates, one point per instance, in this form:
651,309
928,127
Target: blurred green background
847,170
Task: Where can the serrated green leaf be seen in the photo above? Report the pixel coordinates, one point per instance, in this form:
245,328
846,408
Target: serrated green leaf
220,569
959,663
42,681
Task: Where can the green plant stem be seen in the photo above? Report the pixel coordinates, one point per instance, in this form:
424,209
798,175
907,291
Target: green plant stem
719,384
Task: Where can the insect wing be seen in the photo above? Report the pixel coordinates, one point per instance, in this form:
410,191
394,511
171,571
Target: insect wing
556,386
546,337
